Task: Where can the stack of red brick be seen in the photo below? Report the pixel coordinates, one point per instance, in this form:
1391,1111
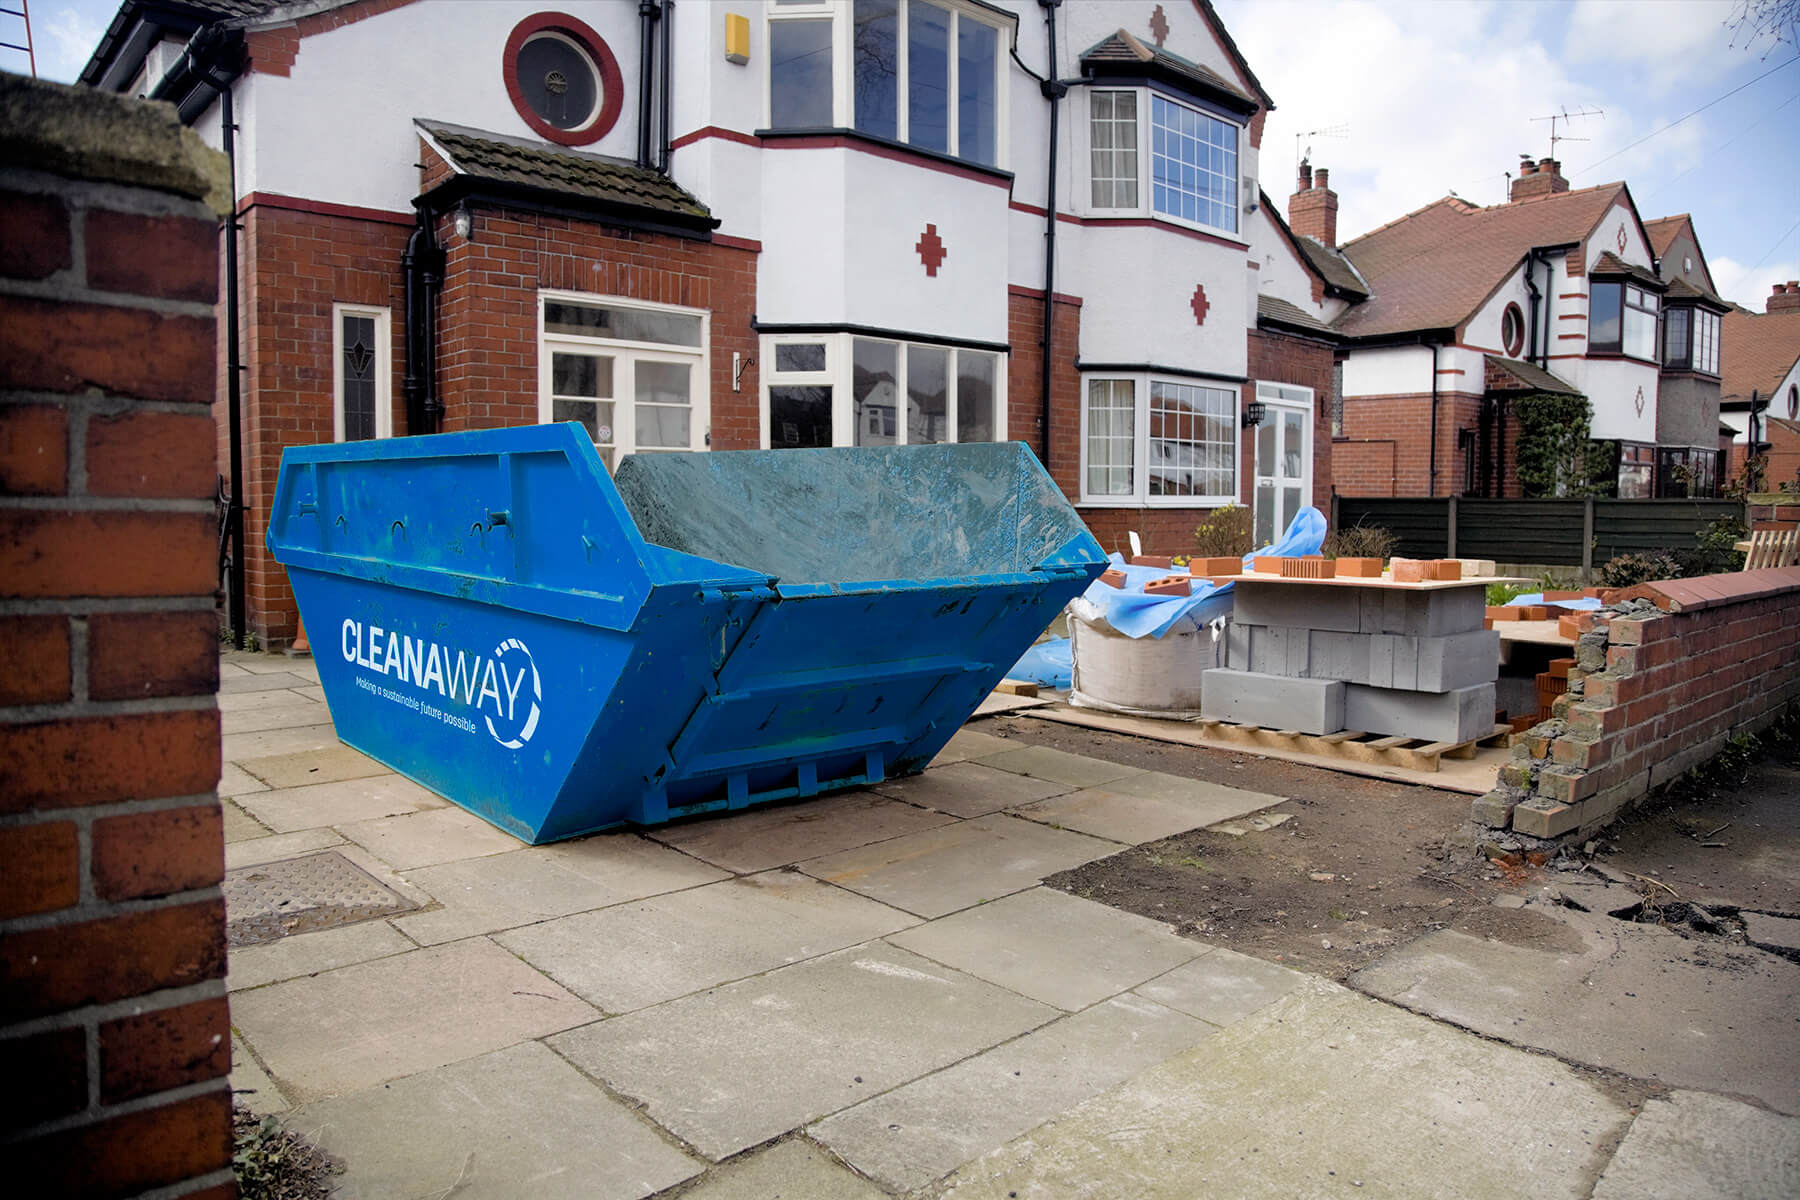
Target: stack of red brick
1655,691
114,1032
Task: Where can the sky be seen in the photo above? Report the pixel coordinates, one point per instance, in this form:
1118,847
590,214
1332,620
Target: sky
1424,97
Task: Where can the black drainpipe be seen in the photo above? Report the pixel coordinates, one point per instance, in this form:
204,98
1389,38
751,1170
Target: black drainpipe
668,38
647,14
1434,419
422,269
1531,261
1053,90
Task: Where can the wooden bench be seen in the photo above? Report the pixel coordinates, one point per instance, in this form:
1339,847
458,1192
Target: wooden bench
1773,548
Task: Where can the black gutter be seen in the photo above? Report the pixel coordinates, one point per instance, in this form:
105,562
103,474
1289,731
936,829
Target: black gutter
668,78
199,63
1157,369
647,14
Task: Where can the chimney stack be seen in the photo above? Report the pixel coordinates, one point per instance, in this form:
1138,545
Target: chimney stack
1312,210
1786,298
1542,178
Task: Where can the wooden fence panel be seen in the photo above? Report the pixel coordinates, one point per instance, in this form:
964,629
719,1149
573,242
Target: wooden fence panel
1646,526
1550,532
1422,525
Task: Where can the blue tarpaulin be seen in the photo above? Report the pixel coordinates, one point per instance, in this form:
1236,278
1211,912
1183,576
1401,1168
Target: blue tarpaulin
1533,599
1047,664
1136,615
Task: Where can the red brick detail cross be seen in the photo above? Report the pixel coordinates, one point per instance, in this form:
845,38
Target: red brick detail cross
931,250
1159,25
1639,401
1199,304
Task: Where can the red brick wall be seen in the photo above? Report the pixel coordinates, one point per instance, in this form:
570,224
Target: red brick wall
1784,455
1396,430
1654,695
114,1035
1776,516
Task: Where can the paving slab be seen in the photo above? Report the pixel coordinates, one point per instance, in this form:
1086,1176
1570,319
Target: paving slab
236,681
1323,1093
230,670
312,953
1637,998
303,767
258,663
1147,808
261,850
942,870
791,1170
250,701
969,789
1053,947
244,747
296,714
251,1085
517,1122
340,802
1780,934
915,1133
738,1065
1059,766
235,781
1222,986
1692,1146
311,691
423,839
789,833
353,1028
504,891
966,744
240,826
634,955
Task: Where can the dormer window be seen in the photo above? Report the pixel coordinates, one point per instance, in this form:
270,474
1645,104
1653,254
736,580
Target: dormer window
1622,319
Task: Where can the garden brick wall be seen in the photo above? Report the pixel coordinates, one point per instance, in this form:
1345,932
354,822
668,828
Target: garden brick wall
1655,692
114,1032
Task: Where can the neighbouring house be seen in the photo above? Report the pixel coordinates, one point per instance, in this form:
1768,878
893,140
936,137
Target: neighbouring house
1463,326
1761,403
770,223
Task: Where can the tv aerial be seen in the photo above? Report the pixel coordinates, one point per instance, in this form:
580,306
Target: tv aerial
1581,112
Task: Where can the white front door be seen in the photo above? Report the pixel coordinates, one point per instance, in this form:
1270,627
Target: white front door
1284,454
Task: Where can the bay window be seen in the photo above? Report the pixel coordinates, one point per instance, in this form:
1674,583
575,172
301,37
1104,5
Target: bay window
923,72
1691,340
1622,319
1158,441
1191,156
835,389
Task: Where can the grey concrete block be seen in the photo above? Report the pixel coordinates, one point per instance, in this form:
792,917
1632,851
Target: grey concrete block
1457,661
1302,606
1419,614
1455,716
1426,664
1275,701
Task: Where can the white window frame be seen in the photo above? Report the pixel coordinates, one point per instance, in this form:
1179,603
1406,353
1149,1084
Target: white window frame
842,14
1146,205
839,376
384,367
1273,393
625,355
1141,496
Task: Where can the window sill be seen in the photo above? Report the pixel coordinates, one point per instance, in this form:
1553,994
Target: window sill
1157,502
823,136
1621,356
1127,217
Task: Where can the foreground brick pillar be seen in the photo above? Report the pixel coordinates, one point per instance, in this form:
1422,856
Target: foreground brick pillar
114,1032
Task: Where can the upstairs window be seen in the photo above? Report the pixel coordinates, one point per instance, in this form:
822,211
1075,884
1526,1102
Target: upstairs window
1191,156
926,74
1691,340
1622,320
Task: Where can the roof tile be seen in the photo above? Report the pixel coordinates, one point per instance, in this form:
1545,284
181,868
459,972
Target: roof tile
1756,351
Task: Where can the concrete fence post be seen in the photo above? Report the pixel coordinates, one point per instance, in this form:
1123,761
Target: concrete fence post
1450,536
1587,540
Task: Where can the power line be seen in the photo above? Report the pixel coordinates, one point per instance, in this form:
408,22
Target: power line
1678,120
1772,249
1719,149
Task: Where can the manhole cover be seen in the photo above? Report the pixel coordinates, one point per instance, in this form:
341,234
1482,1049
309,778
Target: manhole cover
298,895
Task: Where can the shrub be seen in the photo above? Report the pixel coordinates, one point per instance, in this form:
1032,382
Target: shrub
1627,569
1361,541
1225,531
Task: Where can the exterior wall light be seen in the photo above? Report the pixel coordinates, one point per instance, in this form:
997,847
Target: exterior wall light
464,224
1254,412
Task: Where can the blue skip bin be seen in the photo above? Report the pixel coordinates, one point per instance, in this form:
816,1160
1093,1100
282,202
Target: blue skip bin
559,651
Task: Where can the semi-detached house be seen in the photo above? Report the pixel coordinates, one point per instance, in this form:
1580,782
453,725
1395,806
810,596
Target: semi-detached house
766,223
1454,313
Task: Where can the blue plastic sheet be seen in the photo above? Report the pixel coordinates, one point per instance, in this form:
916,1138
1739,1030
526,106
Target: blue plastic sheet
1047,664
1532,599
1136,615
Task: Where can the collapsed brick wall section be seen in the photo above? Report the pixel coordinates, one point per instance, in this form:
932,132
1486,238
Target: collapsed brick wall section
115,1038
1663,679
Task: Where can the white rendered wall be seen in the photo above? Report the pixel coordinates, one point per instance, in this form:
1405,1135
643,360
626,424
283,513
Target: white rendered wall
1619,218
1389,371
1137,283
1278,271
1483,330
1611,386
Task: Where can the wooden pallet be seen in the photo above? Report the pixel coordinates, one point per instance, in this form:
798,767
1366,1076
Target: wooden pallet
1414,753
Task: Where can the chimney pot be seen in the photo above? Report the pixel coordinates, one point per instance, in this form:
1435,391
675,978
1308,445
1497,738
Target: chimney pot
1794,286
1305,176
1547,164
1322,177
1527,168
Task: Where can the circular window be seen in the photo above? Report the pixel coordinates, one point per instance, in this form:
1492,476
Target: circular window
1512,330
563,80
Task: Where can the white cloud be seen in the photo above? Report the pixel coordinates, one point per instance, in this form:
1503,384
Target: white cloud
1668,44
64,39
1751,287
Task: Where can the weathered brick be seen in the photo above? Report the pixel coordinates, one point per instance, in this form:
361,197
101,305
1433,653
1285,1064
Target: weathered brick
124,1155
1583,752
1637,631
46,1076
101,760
34,450
176,258
40,868
66,347
1494,809
134,656
1544,822
163,455
37,244
88,553
60,967
1566,785
156,853
35,651
168,1048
